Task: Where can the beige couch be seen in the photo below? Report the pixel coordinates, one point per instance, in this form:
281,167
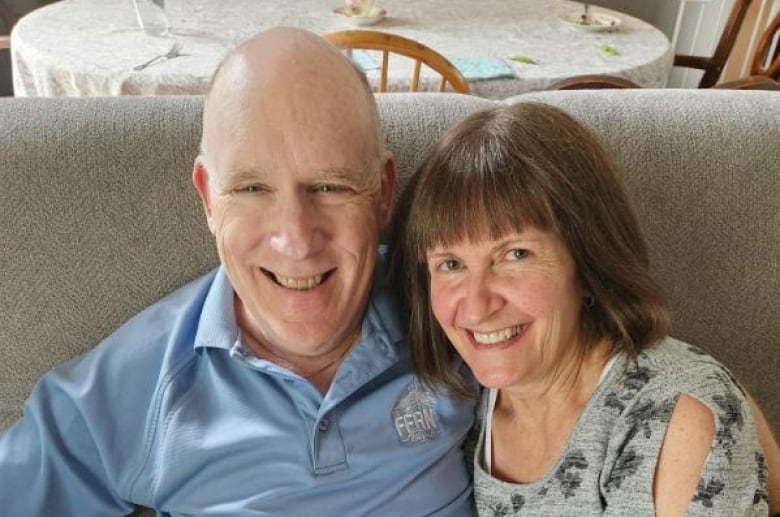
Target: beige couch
99,218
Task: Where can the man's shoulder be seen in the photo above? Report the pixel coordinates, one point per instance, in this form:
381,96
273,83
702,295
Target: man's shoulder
152,341
177,311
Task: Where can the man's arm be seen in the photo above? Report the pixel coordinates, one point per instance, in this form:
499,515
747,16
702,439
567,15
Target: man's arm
51,465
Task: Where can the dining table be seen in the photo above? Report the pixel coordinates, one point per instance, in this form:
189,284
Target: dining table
502,47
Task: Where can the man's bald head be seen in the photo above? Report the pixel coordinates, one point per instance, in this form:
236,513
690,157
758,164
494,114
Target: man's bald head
287,74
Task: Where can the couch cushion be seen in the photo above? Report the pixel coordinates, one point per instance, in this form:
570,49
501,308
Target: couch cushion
99,220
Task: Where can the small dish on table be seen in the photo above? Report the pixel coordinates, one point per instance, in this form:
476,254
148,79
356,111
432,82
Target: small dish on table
373,17
596,22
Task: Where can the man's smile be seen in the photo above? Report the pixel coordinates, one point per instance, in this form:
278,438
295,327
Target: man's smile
298,283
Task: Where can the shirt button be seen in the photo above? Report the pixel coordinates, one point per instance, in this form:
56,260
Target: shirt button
324,424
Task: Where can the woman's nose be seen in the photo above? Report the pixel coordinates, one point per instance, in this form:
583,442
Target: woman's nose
481,300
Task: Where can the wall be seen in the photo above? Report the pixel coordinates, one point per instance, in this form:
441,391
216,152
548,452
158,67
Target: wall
18,7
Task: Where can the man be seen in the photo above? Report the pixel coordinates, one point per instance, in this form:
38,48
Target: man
278,384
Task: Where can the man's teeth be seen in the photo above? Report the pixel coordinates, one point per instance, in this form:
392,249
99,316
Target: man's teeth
298,283
497,336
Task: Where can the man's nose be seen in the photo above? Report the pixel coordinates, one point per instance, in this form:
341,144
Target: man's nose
481,300
298,233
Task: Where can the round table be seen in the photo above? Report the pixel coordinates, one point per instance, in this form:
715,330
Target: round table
89,47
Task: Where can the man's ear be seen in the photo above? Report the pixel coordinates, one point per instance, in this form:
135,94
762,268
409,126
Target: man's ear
200,178
388,186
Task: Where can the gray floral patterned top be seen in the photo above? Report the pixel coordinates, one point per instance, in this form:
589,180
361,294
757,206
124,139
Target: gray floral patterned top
607,467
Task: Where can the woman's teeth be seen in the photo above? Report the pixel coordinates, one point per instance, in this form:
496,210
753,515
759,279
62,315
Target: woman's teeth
497,336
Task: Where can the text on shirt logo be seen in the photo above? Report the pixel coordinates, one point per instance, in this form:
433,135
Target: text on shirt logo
414,415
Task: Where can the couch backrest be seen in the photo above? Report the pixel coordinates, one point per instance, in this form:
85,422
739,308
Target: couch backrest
100,219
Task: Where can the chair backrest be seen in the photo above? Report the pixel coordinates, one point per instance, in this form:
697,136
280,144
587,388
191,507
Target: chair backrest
592,81
713,66
393,43
5,41
762,63
751,82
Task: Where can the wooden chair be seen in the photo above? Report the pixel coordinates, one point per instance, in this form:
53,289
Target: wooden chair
762,64
764,69
592,81
713,66
393,43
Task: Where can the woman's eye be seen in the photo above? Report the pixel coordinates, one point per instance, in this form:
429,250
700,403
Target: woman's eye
517,254
449,265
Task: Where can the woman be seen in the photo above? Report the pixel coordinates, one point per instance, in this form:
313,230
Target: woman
540,280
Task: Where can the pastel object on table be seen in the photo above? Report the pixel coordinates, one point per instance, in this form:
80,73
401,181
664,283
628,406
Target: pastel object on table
359,7
484,67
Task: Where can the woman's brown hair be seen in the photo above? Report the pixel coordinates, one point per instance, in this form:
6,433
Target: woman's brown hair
499,171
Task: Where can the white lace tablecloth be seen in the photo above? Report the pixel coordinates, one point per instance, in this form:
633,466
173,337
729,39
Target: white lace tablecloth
89,47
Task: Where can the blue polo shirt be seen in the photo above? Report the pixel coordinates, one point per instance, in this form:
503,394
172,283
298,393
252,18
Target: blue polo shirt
174,413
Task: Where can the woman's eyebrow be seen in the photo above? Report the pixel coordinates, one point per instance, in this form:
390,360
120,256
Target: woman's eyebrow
439,254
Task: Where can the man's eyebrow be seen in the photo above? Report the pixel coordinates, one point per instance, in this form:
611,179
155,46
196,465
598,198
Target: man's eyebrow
358,178
243,175
342,173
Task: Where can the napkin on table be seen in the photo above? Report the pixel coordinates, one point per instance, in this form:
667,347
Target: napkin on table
483,67
472,68
365,60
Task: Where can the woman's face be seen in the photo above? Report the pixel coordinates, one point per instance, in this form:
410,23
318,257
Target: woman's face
509,306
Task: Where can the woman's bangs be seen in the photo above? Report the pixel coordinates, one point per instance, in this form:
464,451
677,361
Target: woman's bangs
476,205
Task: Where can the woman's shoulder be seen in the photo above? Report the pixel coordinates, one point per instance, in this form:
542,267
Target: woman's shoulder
644,392
671,367
642,398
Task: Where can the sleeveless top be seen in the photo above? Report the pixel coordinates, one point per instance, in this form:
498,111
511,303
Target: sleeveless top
608,465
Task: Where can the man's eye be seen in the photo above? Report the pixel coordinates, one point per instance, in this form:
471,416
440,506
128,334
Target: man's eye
249,189
517,254
329,189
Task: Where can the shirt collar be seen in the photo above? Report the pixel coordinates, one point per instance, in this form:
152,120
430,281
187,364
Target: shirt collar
217,327
382,314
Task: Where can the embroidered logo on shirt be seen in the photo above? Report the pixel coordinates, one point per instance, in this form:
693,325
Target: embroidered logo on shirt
414,415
